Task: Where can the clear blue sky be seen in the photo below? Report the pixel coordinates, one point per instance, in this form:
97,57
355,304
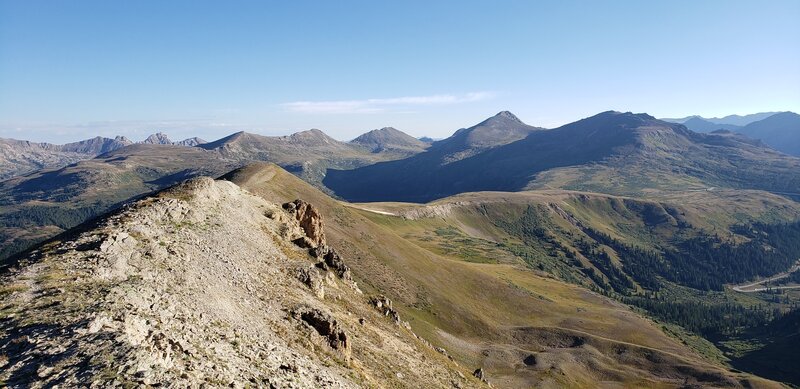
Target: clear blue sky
75,69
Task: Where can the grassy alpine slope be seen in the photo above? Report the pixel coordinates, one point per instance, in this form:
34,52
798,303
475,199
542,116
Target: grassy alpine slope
589,240
485,305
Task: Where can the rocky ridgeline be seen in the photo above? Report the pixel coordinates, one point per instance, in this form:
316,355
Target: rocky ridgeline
205,285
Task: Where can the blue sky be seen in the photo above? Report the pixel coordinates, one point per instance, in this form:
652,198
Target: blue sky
74,69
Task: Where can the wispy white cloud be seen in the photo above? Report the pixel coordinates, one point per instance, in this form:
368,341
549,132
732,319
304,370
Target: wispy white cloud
382,105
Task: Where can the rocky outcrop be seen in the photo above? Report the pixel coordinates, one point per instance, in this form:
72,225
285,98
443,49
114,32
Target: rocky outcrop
330,260
384,306
327,327
310,221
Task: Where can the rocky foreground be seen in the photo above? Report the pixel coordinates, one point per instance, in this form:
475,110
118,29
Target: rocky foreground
205,285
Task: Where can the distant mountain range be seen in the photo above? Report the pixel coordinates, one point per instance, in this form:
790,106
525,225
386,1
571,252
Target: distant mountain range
90,184
733,120
612,152
20,156
699,124
309,154
779,130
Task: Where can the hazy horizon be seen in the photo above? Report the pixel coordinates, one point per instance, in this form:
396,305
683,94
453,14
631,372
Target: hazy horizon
140,134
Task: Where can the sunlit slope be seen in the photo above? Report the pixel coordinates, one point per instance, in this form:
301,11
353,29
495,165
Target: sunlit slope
489,310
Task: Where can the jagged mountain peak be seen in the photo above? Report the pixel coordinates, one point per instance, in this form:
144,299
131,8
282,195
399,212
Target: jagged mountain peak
159,138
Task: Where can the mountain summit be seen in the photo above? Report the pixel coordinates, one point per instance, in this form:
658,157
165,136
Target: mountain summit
506,115
500,129
158,138
389,139
311,138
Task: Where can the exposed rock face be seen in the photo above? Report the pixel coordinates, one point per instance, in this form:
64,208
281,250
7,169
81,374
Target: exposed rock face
305,229
310,220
